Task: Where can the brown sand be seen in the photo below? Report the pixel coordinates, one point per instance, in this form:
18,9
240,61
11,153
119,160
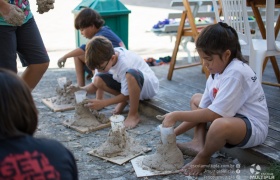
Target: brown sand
63,97
167,157
44,5
119,143
85,118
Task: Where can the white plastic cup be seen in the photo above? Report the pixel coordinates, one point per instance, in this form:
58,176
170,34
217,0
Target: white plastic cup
80,95
117,122
165,131
61,82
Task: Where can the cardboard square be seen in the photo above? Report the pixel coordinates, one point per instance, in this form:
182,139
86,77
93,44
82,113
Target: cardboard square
144,171
120,159
57,108
85,130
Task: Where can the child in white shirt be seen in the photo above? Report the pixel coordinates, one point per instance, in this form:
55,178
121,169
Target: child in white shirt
122,73
233,101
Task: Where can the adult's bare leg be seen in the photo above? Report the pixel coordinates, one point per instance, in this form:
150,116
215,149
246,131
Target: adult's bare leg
33,74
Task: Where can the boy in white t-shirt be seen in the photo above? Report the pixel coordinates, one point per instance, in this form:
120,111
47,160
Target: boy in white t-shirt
122,73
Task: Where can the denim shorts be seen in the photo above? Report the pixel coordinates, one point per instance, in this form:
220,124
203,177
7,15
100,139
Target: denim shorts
113,84
248,132
25,41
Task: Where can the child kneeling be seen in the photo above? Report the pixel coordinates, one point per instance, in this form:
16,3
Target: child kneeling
122,73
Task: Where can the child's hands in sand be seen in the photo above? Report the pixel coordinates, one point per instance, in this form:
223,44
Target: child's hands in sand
95,104
160,117
168,120
73,88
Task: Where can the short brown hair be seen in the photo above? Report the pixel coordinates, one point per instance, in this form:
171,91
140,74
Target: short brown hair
98,50
18,113
88,17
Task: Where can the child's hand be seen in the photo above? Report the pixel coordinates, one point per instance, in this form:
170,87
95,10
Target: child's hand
13,15
95,104
73,88
44,5
168,120
160,117
61,62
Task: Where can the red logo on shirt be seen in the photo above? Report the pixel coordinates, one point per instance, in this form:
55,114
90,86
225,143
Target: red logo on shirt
27,166
215,91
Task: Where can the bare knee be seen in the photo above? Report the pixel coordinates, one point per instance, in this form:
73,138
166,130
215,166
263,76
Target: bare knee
39,67
80,59
129,77
98,82
45,66
195,100
220,126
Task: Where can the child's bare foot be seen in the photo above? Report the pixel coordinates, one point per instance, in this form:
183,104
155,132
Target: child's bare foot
131,121
190,148
119,108
195,167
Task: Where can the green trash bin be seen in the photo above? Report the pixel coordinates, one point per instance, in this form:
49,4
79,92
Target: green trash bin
113,12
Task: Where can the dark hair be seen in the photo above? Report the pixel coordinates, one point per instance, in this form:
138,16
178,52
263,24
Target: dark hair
88,17
217,38
98,50
18,113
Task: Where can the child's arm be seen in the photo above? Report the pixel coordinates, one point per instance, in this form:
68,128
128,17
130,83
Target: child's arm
99,104
74,53
90,88
199,115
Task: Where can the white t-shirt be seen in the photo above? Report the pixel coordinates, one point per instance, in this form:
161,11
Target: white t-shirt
238,91
130,60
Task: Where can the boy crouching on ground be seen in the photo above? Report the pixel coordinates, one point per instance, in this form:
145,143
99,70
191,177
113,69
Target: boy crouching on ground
122,73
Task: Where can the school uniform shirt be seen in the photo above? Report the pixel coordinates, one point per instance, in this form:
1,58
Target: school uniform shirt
238,91
26,157
130,60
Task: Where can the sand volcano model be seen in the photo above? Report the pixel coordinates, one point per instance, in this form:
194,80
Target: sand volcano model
64,100
63,97
83,116
118,142
168,156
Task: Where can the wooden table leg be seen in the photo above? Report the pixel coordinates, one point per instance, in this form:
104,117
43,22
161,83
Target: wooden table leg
275,67
258,19
277,27
177,44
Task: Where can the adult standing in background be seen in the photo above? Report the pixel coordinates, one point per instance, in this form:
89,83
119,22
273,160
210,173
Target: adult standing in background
20,35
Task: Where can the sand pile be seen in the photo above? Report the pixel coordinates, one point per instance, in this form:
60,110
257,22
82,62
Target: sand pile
63,96
119,143
167,157
84,117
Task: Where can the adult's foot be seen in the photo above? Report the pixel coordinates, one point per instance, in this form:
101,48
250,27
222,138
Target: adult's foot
131,122
195,167
119,108
191,148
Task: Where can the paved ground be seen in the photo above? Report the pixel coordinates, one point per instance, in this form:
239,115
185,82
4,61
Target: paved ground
57,31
